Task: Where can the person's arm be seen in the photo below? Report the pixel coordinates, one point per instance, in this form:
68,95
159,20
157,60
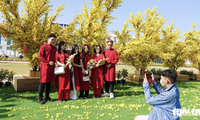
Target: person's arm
81,62
162,98
100,64
75,64
157,88
115,58
57,62
41,56
68,63
82,67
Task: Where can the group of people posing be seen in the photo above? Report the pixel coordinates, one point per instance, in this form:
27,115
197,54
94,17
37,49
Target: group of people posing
72,80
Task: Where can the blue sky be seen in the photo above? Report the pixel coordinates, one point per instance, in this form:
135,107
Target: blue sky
182,12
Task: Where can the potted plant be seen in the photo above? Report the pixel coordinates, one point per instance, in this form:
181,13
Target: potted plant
2,77
7,75
124,74
10,78
191,75
118,75
11,59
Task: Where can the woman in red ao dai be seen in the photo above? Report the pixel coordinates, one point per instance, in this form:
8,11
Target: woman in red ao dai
97,72
63,80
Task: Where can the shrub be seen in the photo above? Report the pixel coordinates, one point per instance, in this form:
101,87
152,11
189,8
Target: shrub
118,74
185,72
159,71
124,73
153,70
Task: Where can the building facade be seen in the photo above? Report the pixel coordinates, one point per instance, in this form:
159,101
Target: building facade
5,48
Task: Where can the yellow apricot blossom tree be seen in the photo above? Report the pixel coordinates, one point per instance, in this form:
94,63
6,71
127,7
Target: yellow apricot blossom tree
141,51
192,39
92,24
152,40
174,52
30,27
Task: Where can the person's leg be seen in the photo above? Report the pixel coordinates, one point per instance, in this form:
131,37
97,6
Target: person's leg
41,90
81,94
66,95
112,89
47,91
112,86
98,92
107,86
102,91
106,89
60,94
94,95
86,93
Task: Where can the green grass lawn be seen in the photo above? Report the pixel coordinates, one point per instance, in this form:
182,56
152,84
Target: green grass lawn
23,68
18,68
129,101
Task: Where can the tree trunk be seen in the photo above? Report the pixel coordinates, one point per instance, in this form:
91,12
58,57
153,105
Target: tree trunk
141,71
35,68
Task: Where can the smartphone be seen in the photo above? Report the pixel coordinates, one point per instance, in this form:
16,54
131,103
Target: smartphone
149,78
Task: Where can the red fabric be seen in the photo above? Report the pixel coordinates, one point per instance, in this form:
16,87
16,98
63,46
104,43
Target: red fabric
113,59
63,94
77,74
85,84
63,80
120,58
97,73
47,53
97,92
25,48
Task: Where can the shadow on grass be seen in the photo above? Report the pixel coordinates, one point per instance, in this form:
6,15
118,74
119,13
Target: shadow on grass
187,84
4,111
8,94
130,93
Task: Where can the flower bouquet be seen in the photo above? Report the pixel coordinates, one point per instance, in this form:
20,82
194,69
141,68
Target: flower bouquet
71,57
91,63
102,61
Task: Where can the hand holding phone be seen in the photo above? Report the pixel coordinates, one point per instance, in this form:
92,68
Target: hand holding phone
149,77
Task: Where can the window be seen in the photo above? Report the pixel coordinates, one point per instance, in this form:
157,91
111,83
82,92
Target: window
8,42
0,47
9,48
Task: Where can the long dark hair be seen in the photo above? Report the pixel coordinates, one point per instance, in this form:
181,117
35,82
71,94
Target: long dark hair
73,51
84,53
95,48
59,47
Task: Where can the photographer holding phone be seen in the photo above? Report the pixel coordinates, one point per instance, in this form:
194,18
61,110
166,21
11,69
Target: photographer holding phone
167,99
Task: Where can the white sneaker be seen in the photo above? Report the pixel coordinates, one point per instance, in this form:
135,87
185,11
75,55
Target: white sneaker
105,94
111,95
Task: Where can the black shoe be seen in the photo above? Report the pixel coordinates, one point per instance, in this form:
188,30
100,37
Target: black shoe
86,97
49,99
40,101
80,97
